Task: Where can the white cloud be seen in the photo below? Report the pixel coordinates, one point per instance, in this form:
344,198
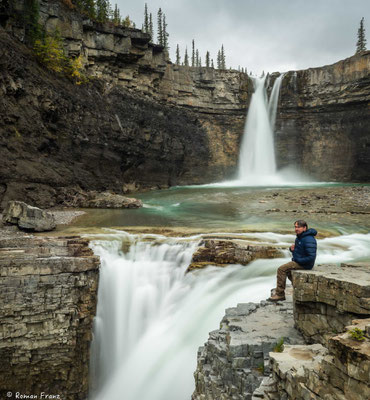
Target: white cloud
270,35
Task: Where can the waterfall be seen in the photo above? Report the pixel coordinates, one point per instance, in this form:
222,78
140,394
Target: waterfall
152,317
257,162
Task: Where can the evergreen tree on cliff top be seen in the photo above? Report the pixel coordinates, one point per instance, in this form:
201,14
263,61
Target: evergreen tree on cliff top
186,58
160,28
146,19
178,58
165,33
361,40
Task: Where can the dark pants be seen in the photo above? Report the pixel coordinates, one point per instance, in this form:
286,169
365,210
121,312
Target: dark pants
283,272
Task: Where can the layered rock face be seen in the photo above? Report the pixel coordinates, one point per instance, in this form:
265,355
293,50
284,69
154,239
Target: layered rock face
48,294
326,300
336,366
235,358
142,121
323,123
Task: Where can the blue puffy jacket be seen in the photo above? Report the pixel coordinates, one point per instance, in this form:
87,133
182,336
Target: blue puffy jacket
304,252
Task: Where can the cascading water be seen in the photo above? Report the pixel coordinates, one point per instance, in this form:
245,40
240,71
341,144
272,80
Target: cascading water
152,317
257,164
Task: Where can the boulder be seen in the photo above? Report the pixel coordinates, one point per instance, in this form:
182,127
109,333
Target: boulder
109,200
27,217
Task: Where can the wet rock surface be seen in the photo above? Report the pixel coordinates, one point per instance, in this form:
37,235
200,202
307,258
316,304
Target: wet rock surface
224,252
48,292
95,199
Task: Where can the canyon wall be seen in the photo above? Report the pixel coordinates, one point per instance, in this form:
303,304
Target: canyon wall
323,124
48,295
144,121
139,120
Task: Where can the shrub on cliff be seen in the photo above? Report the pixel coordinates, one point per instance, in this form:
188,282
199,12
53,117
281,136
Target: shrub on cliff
50,52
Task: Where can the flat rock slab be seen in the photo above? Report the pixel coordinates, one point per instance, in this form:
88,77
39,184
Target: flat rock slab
347,288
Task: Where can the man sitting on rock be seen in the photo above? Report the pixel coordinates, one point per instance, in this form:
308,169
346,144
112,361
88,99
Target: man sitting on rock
304,255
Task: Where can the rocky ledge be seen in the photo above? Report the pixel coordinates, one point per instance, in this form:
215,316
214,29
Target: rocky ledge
222,252
48,293
242,360
235,359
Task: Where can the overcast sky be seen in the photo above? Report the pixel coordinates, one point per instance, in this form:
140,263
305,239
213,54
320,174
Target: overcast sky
269,35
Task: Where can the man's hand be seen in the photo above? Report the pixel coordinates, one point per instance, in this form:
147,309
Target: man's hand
292,247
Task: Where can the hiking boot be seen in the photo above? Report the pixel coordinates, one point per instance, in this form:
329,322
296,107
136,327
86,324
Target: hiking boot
276,297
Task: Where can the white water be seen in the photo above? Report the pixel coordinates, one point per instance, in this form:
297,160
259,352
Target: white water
152,317
257,163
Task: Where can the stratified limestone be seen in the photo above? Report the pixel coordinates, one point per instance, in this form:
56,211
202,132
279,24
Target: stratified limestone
235,358
234,251
48,293
341,372
328,298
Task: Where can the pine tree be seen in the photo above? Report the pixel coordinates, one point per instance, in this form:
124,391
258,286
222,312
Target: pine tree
207,59
151,31
193,54
186,57
110,13
146,19
197,58
212,63
102,10
219,59
361,40
165,34
200,62
33,29
116,16
160,28
178,58
222,58
89,7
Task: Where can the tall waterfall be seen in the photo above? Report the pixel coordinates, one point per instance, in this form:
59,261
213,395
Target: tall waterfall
152,317
257,162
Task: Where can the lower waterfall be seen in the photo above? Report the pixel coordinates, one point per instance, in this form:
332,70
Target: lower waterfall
152,316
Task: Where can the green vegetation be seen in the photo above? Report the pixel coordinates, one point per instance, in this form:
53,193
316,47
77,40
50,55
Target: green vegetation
50,52
357,334
279,347
361,40
261,368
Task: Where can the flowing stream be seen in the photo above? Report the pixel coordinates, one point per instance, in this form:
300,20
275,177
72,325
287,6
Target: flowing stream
152,316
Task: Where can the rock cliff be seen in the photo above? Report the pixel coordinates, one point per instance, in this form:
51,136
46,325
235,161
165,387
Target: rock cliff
48,294
323,120
146,122
242,361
